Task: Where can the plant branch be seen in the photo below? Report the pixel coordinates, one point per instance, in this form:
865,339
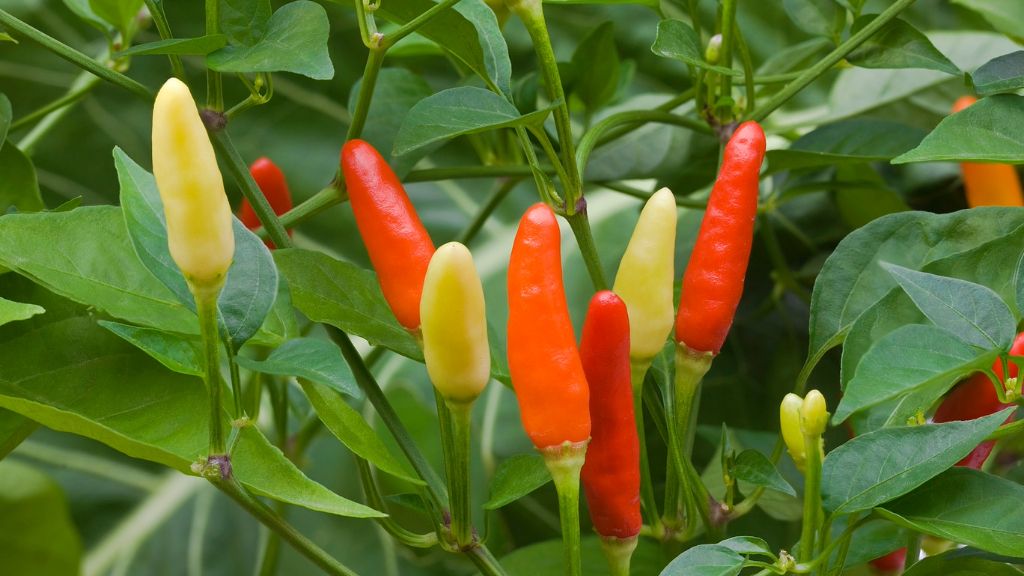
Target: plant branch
485,211
592,137
156,11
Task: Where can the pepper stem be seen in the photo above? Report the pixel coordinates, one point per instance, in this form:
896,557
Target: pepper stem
812,497
690,368
565,462
456,462
206,309
618,552
638,370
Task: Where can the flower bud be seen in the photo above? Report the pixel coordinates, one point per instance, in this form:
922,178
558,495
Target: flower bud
813,414
789,420
714,49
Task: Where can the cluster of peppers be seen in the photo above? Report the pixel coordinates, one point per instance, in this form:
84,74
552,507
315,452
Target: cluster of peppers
580,406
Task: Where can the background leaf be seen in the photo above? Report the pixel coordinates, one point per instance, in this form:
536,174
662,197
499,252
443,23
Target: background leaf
516,477
36,533
309,358
898,45
999,75
984,132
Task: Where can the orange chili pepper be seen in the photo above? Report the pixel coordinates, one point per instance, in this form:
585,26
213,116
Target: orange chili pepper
988,184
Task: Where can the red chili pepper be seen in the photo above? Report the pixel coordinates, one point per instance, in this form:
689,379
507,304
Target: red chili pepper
713,281
399,246
974,398
891,562
542,356
272,183
611,474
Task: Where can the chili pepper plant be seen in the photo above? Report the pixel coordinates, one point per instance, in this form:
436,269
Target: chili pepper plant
511,287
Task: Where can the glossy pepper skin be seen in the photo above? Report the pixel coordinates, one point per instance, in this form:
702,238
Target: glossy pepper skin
974,398
988,184
713,281
646,276
399,246
891,563
274,187
542,356
196,208
454,325
611,473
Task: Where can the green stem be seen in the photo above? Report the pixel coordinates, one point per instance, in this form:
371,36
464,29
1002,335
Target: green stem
638,370
830,60
644,195
666,106
322,200
913,550
485,561
540,179
618,552
387,414
375,500
156,10
412,25
485,211
78,91
690,368
783,275
206,309
288,533
532,14
580,225
236,379
465,172
214,82
240,173
592,137
565,462
456,460
85,82
271,552
74,56
812,498
748,71
374,60
728,30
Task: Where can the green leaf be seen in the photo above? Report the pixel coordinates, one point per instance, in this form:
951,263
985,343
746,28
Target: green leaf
309,358
677,40
88,258
200,46
1006,17
120,14
898,45
911,358
753,467
851,281
848,141
136,406
396,92
244,22
880,466
348,426
943,566
344,296
179,353
6,115
84,11
516,477
747,544
873,539
705,560
19,187
15,311
456,112
972,312
5,37
999,75
14,429
37,535
251,285
295,41
597,61
816,17
983,132
967,506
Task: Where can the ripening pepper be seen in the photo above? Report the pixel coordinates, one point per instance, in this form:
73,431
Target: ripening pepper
646,276
891,563
399,246
196,208
611,474
988,184
454,325
542,356
976,397
713,281
274,187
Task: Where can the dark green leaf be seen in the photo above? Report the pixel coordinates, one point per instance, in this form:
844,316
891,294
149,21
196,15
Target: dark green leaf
14,429
1007,17
120,14
898,45
967,506
14,311
295,41
911,358
84,11
348,426
1002,74
597,60
705,560
37,535
309,358
943,566
200,46
676,39
159,416
753,467
849,141
816,17
516,477
455,112
397,91
748,544
179,353
19,187
984,132
345,296
243,21
250,288
873,539
880,466
6,115
972,312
